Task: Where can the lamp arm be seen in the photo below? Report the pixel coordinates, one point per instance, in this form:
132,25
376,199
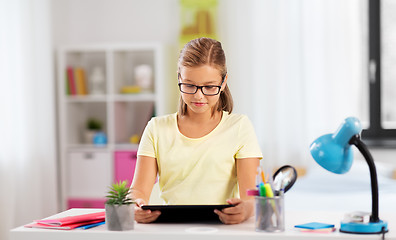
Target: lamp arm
355,140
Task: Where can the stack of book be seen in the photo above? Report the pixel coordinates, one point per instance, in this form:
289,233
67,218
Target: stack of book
71,222
76,82
316,227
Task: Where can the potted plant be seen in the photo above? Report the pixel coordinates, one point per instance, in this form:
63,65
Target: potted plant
119,208
93,126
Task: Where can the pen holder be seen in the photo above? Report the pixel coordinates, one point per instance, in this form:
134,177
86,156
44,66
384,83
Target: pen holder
270,214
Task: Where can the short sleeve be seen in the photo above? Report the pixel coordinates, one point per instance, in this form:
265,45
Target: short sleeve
147,142
248,144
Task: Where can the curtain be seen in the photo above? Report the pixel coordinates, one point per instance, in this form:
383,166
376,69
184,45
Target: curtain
27,129
296,68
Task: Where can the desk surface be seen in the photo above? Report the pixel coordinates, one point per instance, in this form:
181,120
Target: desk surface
203,231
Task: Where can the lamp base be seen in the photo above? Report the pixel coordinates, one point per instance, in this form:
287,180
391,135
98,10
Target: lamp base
364,228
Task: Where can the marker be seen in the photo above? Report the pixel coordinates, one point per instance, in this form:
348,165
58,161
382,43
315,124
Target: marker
262,190
252,192
268,190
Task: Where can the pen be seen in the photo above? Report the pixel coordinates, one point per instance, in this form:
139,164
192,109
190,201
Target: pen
91,225
258,178
262,176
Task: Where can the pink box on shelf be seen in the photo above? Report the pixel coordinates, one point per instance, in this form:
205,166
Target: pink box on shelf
124,165
86,203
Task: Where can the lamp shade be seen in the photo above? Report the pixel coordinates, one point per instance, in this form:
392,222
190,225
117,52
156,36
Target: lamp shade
333,151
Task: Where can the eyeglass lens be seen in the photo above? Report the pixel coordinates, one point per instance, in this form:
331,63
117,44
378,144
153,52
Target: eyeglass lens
207,90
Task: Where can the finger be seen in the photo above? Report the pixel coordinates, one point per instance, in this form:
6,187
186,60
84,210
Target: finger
140,211
229,219
143,213
146,213
152,217
234,201
147,218
233,210
140,202
224,216
232,218
220,214
236,209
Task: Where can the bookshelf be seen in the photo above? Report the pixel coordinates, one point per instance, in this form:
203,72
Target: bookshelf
87,168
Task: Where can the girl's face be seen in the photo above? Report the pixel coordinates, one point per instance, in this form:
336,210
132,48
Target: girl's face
201,76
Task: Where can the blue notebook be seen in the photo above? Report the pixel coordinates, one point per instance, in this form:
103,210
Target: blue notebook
314,225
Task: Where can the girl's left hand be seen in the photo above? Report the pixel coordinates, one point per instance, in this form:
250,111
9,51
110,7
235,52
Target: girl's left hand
237,214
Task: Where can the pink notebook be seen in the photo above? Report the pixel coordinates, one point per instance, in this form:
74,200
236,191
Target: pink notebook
73,219
69,222
63,226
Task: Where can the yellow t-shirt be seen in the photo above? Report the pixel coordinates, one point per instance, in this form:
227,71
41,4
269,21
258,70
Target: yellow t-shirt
199,170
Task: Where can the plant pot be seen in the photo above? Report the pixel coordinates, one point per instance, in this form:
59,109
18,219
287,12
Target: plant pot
120,217
89,135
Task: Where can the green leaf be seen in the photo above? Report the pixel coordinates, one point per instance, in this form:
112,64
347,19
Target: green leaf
119,194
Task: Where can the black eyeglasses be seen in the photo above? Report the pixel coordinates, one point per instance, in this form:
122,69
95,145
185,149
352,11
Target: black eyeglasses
208,90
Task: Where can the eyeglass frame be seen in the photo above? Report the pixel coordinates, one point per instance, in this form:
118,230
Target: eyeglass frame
200,87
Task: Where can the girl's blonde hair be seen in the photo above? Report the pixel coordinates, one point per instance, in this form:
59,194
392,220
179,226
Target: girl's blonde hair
206,51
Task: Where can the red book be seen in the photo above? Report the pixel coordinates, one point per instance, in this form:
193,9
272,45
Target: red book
72,82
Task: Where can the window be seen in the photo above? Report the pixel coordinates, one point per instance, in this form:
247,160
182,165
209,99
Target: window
382,74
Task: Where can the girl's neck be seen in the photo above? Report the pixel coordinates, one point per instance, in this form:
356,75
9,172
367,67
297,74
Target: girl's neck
202,118
198,125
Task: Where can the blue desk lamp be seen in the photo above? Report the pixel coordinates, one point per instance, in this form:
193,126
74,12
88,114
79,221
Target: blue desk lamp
333,152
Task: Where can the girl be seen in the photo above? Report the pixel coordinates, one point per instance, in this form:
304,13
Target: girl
203,154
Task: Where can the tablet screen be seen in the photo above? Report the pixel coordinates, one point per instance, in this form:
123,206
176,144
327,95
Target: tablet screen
186,213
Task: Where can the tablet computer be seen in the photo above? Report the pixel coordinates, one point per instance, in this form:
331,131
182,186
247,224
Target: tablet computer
187,213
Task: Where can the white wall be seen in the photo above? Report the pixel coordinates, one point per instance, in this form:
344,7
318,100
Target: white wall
105,21
90,21
78,22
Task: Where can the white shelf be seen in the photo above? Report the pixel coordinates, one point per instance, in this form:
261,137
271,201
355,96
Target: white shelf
136,97
88,147
87,98
122,115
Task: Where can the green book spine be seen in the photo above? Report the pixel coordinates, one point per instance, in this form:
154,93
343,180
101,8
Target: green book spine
67,83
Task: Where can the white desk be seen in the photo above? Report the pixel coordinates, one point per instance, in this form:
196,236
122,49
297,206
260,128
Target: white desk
202,231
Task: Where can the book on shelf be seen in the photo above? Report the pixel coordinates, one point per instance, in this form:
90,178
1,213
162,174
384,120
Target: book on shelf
71,81
81,81
76,82
67,87
69,222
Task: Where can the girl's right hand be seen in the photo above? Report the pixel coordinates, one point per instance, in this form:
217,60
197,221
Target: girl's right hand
144,216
